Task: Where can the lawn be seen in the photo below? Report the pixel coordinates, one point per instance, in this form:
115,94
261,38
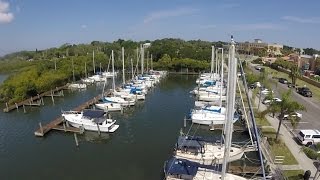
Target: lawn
279,148
262,121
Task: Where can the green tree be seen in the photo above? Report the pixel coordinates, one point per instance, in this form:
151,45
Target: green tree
294,73
287,106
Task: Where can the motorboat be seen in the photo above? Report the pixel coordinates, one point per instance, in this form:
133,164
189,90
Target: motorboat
91,120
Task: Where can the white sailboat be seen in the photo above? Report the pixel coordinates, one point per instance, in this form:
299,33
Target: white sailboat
91,120
74,85
176,169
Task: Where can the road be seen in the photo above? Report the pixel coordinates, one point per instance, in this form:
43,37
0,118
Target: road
310,117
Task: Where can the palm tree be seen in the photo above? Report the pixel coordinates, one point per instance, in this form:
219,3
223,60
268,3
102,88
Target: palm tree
294,73
286,106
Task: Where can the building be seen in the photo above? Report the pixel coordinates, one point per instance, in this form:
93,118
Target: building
249,47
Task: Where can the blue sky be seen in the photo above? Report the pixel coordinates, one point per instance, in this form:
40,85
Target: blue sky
31,24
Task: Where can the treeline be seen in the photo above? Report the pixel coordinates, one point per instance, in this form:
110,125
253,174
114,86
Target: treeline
34,72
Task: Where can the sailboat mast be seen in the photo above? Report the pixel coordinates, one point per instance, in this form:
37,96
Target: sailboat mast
216,61
221,81
212,58
94,66
147,61
113,80
73,78
85,69
142,58
123,75
151,62
231,93
131,68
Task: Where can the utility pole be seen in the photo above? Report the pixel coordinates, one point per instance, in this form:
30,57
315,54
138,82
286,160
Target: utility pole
231,93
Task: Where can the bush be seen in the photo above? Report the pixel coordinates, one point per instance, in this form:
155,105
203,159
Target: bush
257,61
312,154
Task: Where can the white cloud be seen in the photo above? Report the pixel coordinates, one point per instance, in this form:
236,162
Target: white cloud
83,26
257,26
311,20
168,13
5,15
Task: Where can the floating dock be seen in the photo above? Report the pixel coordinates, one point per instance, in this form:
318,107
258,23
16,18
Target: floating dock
59,123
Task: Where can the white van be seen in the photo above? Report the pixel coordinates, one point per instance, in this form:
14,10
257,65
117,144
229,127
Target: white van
309,136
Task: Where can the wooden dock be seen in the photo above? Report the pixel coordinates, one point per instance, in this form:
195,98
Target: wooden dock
59,123
36,100
240,170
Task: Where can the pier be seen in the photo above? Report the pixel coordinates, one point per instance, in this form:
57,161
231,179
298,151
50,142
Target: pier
36,100
60,124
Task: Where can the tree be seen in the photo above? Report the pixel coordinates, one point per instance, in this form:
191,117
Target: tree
294,73
287,106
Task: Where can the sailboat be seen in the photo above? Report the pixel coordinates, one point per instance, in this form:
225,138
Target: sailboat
74,85
111,98
175,169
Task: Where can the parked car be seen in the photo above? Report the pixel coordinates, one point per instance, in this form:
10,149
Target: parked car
265,91
309,136
258,68
304,91
295,114
283,80
268,101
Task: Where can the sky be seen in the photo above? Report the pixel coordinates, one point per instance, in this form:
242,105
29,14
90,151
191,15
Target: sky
31,24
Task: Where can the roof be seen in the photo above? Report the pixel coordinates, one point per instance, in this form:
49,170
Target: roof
310,131
93,113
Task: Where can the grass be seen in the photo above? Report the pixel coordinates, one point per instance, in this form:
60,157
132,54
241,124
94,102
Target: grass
262,121
315,90
279,148
294,174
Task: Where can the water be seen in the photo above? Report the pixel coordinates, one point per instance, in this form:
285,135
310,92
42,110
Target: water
3,77
138,149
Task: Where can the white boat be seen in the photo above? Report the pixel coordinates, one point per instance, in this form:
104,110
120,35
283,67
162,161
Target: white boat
87,80
109,74
97,78
119,100
107,107
207,118
204,152
211,97
77,86
210,109
176,169
91,120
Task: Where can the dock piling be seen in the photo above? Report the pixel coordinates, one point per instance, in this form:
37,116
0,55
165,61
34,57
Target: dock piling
41,129
64,126
17,107
52,97
185,122
76,139
24,109
7,106
98,129
42,102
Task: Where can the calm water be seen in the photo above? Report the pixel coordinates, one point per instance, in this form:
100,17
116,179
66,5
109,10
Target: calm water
138,149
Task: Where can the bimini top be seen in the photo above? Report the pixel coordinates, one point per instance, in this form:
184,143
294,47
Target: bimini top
188,142
93,113
180,167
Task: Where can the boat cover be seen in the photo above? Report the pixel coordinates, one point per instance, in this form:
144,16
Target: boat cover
184,141
181,167
93,113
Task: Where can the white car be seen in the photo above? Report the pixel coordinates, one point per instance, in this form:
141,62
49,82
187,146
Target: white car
295,114
266,92
268,101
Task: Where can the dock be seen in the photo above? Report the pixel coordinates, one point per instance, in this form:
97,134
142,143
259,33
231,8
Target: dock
36,100
60,124
240,170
